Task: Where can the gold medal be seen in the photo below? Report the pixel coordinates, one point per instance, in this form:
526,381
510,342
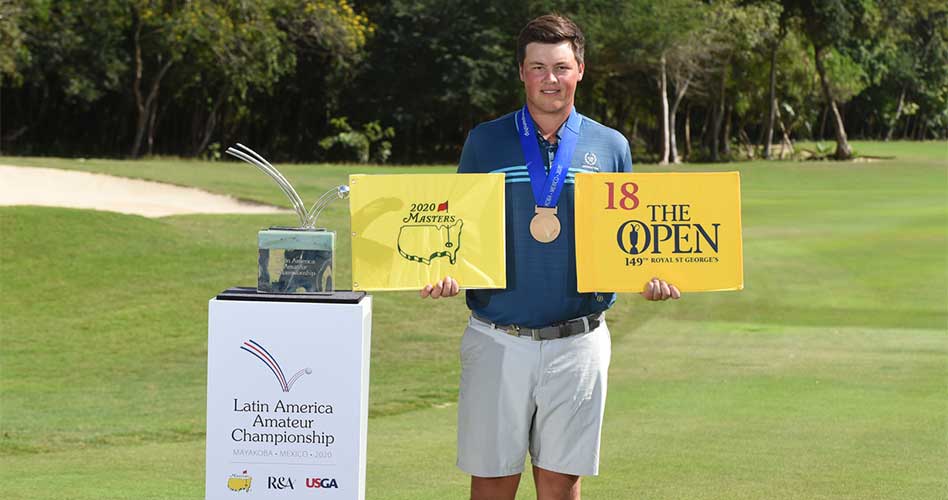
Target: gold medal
545,227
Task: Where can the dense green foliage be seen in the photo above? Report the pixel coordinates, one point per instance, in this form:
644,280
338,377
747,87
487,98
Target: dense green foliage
137,77
824,378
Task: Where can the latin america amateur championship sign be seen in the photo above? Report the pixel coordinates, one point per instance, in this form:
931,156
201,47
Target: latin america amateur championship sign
684,228
410,230
287,399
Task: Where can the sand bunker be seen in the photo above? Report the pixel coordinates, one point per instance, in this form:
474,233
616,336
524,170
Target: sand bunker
52,187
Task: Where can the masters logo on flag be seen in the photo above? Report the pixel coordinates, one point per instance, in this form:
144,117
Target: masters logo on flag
412,230
682,228
420,230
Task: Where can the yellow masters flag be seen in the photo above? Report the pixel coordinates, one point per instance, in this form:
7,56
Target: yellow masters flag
684,228
412,230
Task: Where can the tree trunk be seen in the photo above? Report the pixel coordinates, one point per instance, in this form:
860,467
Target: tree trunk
145,106
718,116
141,120
920,129
772,115
680,91
745,139
843,150
785,143
705,123
726,140
151,127
210,124
688,131
663,99
635,128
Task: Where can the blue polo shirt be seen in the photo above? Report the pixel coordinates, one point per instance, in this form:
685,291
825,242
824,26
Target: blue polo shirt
541,277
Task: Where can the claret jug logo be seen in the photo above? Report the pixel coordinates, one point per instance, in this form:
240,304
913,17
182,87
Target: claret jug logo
429,231
239,482
261,353
628,238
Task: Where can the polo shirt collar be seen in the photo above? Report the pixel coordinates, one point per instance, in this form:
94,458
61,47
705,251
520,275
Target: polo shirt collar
573,122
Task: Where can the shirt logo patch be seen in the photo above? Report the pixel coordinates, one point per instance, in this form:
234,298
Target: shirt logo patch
590,159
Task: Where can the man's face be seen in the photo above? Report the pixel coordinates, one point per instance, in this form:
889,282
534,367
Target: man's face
550,73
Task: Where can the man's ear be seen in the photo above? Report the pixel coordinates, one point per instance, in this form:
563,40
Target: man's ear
582,69
520,71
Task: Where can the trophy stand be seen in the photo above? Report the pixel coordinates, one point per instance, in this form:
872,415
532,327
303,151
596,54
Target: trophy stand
288,369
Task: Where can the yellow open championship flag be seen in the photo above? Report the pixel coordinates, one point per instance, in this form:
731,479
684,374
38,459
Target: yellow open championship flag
415,229
684,228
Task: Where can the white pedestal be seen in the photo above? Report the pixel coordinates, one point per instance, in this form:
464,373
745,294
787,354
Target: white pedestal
287,396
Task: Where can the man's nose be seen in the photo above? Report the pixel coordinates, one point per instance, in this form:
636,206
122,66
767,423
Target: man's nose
549,76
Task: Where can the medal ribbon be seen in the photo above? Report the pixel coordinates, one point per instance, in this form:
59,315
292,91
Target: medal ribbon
546,187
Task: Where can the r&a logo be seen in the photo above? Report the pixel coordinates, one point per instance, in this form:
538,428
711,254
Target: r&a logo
279,483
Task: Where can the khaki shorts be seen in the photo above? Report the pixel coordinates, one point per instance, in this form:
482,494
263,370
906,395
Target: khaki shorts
519,394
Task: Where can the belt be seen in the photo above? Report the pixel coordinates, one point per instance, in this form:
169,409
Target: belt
555,331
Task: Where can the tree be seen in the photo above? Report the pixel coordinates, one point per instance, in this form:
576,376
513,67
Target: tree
436,68
327,40
235,46
912,60
70,59
156,47
774,30
640,35
12,48
689,64
829,25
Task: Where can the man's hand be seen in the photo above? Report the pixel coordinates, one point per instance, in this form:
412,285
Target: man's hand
660,290
447,287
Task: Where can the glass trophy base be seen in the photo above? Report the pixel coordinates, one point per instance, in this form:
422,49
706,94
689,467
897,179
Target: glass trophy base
295,260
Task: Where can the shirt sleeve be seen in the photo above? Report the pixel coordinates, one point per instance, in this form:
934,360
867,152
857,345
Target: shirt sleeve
468,163
626,162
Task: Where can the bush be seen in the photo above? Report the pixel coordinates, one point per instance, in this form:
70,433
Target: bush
370,144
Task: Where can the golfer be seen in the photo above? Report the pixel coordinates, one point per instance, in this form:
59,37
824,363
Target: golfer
535,355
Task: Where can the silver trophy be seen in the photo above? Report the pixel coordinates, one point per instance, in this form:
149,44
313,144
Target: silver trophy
294,259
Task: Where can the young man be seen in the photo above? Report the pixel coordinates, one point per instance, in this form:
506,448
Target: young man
535,355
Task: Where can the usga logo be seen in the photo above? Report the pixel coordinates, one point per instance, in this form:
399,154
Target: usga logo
279,483
315,482
239,482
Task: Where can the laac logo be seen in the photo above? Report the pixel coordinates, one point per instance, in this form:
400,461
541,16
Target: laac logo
261,353
239,482
279,483
316,482
429,232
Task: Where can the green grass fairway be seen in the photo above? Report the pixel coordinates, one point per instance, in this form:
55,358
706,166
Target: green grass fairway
825,378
